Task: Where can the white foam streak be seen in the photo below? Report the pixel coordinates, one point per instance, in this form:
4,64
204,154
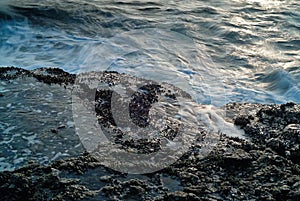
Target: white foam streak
214,119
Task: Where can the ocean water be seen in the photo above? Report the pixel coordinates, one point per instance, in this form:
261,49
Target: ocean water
219,51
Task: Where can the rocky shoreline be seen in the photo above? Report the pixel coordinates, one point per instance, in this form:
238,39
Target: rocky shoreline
265,167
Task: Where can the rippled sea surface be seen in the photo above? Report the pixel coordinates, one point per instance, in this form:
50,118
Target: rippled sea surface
219,51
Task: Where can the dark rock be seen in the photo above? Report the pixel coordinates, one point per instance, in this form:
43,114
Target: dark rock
242,120
237,157
39,183
46,75
265,167
277,145
180,196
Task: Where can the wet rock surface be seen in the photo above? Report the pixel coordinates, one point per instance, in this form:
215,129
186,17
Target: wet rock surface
46,75
265,167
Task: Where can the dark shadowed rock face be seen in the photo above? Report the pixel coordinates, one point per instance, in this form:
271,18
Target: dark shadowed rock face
266,167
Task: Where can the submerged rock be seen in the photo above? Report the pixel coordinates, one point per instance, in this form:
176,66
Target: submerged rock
264,167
